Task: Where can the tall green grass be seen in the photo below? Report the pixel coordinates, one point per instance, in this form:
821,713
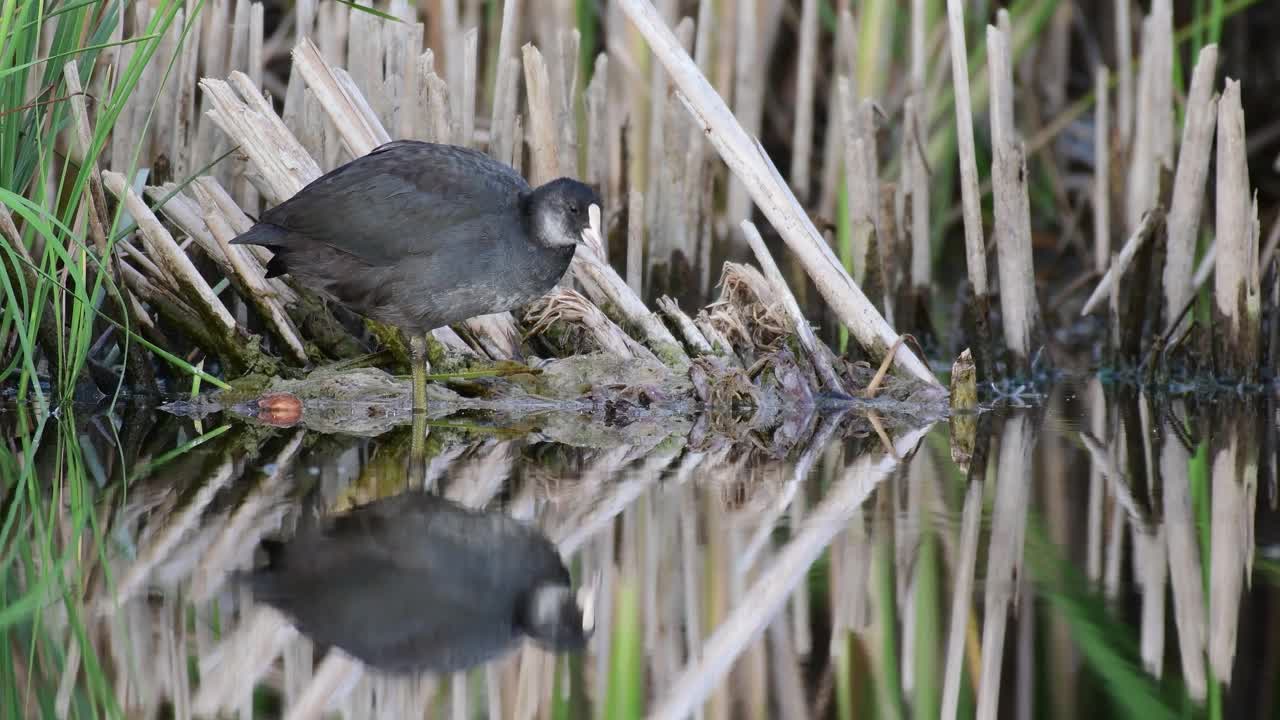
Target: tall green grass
73,295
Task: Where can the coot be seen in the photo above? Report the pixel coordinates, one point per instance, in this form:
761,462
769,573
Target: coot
416,582
421,235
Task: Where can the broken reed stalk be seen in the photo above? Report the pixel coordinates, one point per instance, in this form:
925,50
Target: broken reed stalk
751,165
544,145
693,337
635,241
914,166
1101,170
970,196
862,172
833,150
915,191
1124,77
569,305
1236,306
609,291
802,136
1189,185
747,90
182,276
1012,209
1153,132
801,326
1146,229
249,275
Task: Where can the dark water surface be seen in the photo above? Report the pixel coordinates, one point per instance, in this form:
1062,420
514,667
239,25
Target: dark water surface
1093,558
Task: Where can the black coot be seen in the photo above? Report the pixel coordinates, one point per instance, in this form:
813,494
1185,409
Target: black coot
418,583
421,235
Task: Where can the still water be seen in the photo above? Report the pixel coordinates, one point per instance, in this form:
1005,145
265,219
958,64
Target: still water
1103,554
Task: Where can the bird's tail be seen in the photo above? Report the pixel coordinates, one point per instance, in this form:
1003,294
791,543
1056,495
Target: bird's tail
264,234
271,237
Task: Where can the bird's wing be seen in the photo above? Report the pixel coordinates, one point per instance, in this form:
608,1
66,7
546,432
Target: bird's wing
397,201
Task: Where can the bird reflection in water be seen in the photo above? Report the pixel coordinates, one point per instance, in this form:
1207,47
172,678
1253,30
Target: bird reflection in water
419,583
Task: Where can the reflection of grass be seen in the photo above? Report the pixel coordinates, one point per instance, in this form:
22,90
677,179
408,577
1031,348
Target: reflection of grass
625,697
929,632
888,675
49,520
1109,647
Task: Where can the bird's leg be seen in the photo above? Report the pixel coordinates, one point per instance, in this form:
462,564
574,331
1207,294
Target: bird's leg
418,451
418,357
418,442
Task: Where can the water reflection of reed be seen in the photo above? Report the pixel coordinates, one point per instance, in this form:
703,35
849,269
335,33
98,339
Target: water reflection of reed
737,579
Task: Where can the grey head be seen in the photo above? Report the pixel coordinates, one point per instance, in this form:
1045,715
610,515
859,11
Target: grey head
556,617
557,212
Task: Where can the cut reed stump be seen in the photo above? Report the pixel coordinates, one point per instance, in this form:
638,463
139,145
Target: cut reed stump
1189,187
1236,306
1019,307
975,248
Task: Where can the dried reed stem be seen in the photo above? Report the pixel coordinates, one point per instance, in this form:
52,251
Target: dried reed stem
916,132
751,165
177,266
1236,307
1153,135
569,305
802,137
747,90
503,144
360,130
693,337
282,162
94,198
1018,304
1150,222
467,89
246,269
801,326
915,188
1124,75
970,197
543,136
439,109
1189,185
333,679
599,129
1101,170
635,241
607,289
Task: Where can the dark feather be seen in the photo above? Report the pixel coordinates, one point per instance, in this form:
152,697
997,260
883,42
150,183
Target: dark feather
401,199
414,234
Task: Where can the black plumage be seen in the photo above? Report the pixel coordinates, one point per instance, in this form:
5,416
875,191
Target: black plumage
416,582
421,235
